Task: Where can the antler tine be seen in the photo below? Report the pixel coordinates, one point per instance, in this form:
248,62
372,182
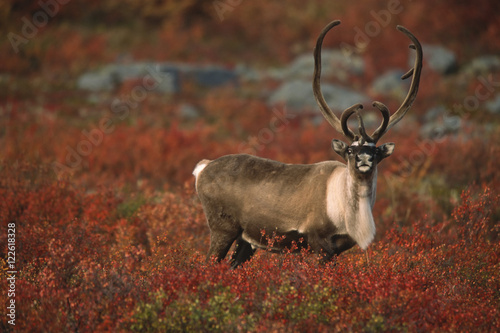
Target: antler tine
332,119
412,93
385,121
343,120
362,131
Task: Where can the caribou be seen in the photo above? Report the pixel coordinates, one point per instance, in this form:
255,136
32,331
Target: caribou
325,207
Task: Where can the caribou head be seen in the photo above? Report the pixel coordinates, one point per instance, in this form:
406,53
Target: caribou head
362,153
326,206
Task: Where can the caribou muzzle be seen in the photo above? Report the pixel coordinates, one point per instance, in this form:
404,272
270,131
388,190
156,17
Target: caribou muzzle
364,162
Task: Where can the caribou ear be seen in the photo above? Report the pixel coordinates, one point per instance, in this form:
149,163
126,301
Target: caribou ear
339,147
385,150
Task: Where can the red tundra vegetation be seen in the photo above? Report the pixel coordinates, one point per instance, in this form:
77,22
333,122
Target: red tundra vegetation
109,232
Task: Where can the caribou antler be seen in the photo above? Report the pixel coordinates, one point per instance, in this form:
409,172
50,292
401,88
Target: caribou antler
345,116
340,125
343,121
412,93
324,108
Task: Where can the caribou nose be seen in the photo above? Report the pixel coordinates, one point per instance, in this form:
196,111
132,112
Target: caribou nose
365,158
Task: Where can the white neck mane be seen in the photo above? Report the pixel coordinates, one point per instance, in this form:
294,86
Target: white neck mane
349,206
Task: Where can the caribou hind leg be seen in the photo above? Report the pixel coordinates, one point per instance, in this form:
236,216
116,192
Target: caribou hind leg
224,229
243,252
223,232
220,243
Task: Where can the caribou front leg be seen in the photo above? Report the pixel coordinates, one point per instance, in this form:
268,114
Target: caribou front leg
243,252
342,243
321,246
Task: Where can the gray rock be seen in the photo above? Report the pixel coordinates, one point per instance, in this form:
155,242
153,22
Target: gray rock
168,77
213,76
493,106
160,77
188,111
390,84
434,113
438,58
154,77
483,65
445,125
97,81
123,72
297,95
334,65
247,73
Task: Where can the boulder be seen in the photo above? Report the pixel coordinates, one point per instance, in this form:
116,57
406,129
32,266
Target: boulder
390,84
493,106
188,111
167,76
210,76
247,73
297,95
438,58
334,64
483,65
96,81
439,122
435,113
